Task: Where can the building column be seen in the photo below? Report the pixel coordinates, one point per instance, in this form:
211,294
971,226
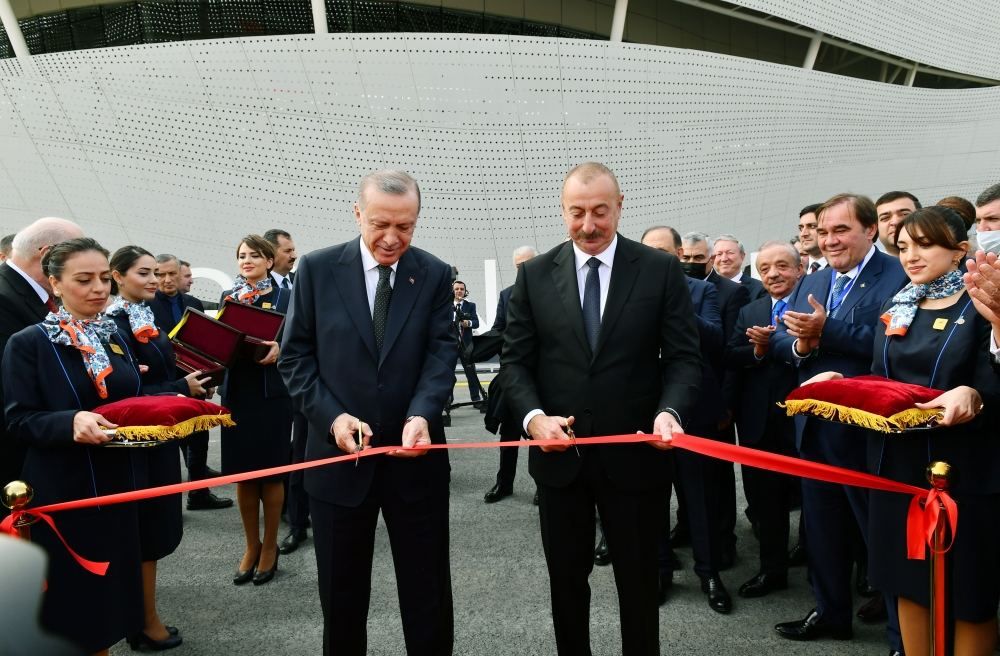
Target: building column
813,52
911,75
13,29
618,21
319,16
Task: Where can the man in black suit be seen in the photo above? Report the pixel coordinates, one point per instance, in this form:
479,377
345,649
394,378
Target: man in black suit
892,207
729,258
754,386
510,427
25,299
466,319
601,338
369,355
698,261
168,307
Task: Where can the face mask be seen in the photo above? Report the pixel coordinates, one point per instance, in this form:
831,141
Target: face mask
695,269
987,241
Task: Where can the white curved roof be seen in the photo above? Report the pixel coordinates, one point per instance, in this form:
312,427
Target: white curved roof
956,35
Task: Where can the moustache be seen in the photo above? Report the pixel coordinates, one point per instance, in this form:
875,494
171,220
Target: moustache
584,235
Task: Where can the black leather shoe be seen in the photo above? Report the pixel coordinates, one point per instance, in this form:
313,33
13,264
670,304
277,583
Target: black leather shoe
212,473
679,536
797,556
718,597
292,541
207,501
141,641
602,556
763,584
813,627
534,499
264,576
497,493
874,610
664,586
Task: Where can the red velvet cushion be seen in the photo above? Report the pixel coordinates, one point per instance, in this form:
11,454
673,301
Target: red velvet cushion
868,401
163,416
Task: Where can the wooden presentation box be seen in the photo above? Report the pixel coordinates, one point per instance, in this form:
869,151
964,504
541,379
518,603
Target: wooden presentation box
257,325
204,344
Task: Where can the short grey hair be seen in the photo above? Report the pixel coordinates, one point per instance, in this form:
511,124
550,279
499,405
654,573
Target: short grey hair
732,238
521,251
163,258
47,231
991,194
698,238
389,181
796,257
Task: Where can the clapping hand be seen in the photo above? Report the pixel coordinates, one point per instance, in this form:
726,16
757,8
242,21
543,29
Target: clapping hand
760,337
806,327
983,282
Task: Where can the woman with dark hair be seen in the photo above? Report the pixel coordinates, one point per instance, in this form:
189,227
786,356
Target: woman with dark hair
54,374
262,409
934,337
160,528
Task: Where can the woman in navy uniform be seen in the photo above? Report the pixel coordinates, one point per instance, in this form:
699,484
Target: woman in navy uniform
934,337
54,374
262,409
160,527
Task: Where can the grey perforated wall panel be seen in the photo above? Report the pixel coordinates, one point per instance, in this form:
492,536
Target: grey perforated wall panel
956,35
185,147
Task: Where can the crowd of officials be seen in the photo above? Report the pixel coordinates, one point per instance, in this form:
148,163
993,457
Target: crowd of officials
601,335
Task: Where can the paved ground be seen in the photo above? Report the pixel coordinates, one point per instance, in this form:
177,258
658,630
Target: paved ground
500,586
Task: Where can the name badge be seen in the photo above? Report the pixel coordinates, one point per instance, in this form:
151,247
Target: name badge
939,324
266,305
117,350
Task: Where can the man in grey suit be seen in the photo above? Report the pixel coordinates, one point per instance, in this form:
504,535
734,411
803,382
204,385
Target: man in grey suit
369,356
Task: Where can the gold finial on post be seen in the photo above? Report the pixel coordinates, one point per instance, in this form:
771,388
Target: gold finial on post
939,475
16,496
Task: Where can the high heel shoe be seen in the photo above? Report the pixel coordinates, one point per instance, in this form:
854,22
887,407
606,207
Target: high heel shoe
264,576
245,576
141,641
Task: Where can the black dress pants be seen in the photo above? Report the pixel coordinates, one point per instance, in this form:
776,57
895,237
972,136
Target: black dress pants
196,455
632,522
770,494
508,456
297,501
418,537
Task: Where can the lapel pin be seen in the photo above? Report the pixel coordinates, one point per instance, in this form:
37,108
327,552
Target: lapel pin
862,285
412,280
960,320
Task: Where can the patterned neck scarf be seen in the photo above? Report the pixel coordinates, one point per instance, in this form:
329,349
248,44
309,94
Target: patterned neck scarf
140,318
899,317
88,336
246,293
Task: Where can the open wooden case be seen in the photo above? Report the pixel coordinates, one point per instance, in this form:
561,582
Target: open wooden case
257,325
204,344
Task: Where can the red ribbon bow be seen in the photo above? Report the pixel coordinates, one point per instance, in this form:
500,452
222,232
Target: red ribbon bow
9,523
921,523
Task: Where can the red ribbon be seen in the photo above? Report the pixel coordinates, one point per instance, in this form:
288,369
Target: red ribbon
920,523
8,526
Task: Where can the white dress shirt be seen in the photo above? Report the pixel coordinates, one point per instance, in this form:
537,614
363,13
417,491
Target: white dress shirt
818,260
280,279
370,265
43,295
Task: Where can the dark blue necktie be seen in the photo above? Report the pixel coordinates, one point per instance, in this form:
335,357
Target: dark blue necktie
592,303
777,311
837,297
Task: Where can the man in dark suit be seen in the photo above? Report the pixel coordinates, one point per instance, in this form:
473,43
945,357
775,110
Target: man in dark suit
601,338
168,307
754,386
729,258
698,260
830,325
369,355
510,427
698,491
466,319
25,299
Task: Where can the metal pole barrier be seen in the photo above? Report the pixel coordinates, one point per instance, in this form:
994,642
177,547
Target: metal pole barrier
16,496
939,475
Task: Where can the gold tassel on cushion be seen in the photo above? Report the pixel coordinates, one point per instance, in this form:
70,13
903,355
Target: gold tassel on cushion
894,423
183,429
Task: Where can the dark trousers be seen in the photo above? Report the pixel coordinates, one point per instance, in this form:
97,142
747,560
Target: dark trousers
196,458
297,501
698,493
418,537
725,474
475,389
770,495
508,457
632,522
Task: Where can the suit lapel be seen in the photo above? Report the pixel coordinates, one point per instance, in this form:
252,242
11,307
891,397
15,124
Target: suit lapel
864,282
409,280
564,280
623,275
349,276
32,304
